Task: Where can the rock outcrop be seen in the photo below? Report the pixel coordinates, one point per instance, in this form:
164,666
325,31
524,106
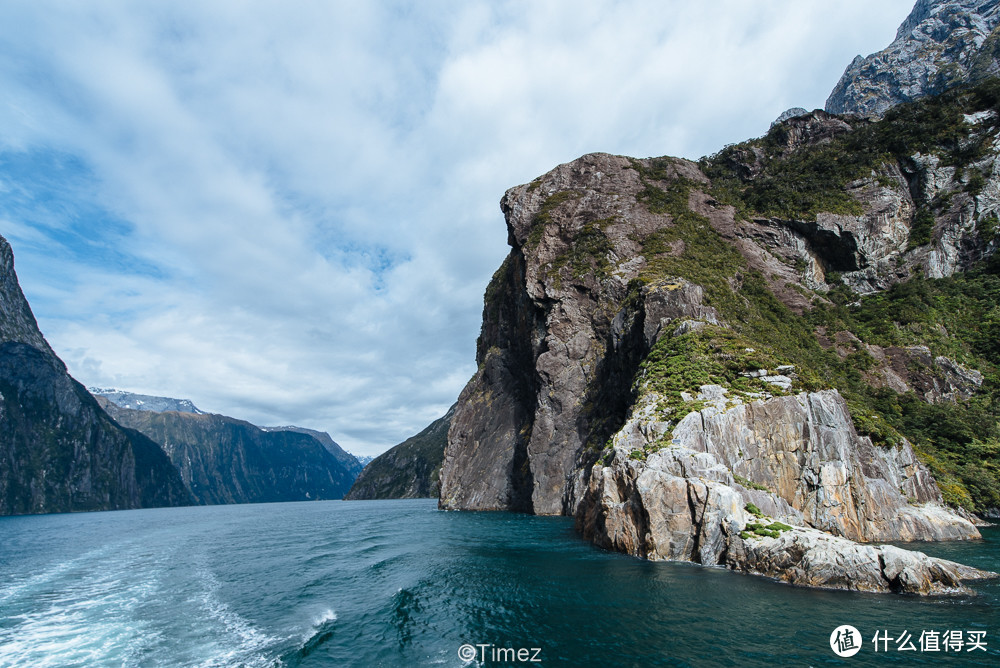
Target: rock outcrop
915,213
224,460
799,459
410,470
562,335
811,558
796,462
940,44
59,451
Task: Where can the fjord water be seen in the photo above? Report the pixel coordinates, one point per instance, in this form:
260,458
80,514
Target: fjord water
399,583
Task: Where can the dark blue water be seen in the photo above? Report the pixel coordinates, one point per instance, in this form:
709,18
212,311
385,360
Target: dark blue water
398,583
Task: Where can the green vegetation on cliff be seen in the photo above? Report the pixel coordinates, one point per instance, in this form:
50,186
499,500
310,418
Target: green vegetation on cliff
797,183
958,318
711,355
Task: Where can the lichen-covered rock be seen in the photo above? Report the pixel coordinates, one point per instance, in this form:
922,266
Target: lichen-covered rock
805,449
797,458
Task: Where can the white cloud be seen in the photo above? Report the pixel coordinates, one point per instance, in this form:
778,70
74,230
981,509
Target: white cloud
307,193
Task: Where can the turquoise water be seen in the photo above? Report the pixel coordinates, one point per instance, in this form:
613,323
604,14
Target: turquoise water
399,583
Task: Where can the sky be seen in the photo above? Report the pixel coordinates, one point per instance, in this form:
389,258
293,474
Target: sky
288,212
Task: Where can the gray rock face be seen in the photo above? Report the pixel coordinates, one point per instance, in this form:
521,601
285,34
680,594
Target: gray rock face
799,461
561,336
811,558
17,322
872,250
806,450
224,460
941,43
410,470
798,458
59,451
789,113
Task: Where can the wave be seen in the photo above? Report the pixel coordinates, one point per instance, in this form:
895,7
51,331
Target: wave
320,631
327,615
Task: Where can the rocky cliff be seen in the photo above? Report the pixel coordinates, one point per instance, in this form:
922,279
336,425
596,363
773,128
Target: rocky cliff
696,359
410,470
225,460
940,44
59,451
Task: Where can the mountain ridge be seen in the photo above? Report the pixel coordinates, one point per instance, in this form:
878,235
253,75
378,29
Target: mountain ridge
349,461
146,402
224,460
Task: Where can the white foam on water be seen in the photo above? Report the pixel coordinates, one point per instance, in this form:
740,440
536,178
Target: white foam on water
83,611
85,623
328,615
235,641
325,616
18,586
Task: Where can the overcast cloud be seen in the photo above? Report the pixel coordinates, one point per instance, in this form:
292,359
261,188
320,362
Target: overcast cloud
288,212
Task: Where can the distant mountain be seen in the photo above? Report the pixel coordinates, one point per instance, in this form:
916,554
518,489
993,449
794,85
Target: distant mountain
410,470
145,402
224,460
365,460
940,44
59,451
349,461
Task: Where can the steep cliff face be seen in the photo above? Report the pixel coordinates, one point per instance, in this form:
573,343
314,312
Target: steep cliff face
224,460
667,344
940,44
563,332
607,251
59,451
410,470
